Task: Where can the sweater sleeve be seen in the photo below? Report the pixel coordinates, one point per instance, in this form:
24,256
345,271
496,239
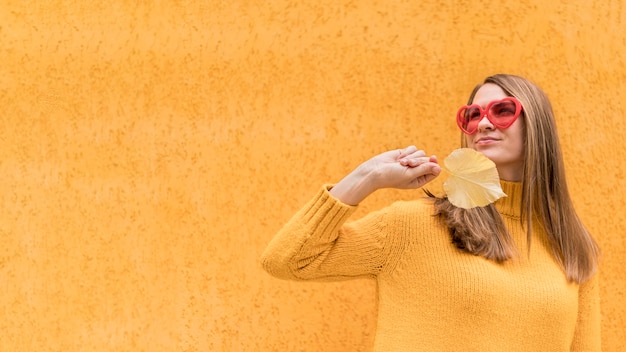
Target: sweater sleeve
318,244
587,333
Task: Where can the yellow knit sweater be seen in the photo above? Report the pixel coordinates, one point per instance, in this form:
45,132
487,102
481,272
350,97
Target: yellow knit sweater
433,296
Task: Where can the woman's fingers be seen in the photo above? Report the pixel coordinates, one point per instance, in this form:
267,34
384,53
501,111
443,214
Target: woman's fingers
417,159
408,154
424,173
406,151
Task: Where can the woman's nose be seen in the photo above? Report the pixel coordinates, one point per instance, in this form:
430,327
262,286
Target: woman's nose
484,124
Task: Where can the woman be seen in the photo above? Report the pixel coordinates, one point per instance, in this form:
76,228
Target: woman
517,275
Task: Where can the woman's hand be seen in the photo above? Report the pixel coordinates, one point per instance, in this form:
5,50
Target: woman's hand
402,168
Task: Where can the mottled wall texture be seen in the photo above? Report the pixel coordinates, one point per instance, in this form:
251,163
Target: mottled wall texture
151,149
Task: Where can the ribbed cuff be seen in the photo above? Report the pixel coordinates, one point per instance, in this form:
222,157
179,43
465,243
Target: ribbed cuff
325,212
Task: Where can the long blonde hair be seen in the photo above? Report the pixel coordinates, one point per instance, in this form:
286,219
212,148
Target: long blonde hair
545,195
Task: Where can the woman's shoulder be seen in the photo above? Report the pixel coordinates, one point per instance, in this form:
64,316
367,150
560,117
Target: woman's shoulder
403,212
418,206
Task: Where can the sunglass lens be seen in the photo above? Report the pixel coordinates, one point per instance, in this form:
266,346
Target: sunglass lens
469,118
503,113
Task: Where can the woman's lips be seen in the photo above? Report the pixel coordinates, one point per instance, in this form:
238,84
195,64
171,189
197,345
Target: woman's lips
486,140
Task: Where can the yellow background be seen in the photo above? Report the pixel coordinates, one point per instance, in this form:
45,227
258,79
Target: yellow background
150,150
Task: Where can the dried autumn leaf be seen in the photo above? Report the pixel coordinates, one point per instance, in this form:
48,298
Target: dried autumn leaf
473,181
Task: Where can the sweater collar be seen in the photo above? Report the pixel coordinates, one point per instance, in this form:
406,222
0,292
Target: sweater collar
511,204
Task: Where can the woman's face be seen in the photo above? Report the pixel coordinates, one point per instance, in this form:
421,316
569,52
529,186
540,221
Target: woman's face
505,147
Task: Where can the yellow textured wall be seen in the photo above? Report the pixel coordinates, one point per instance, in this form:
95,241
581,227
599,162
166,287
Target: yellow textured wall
150,150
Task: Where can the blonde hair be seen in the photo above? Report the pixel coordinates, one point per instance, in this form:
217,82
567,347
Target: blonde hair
545,195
